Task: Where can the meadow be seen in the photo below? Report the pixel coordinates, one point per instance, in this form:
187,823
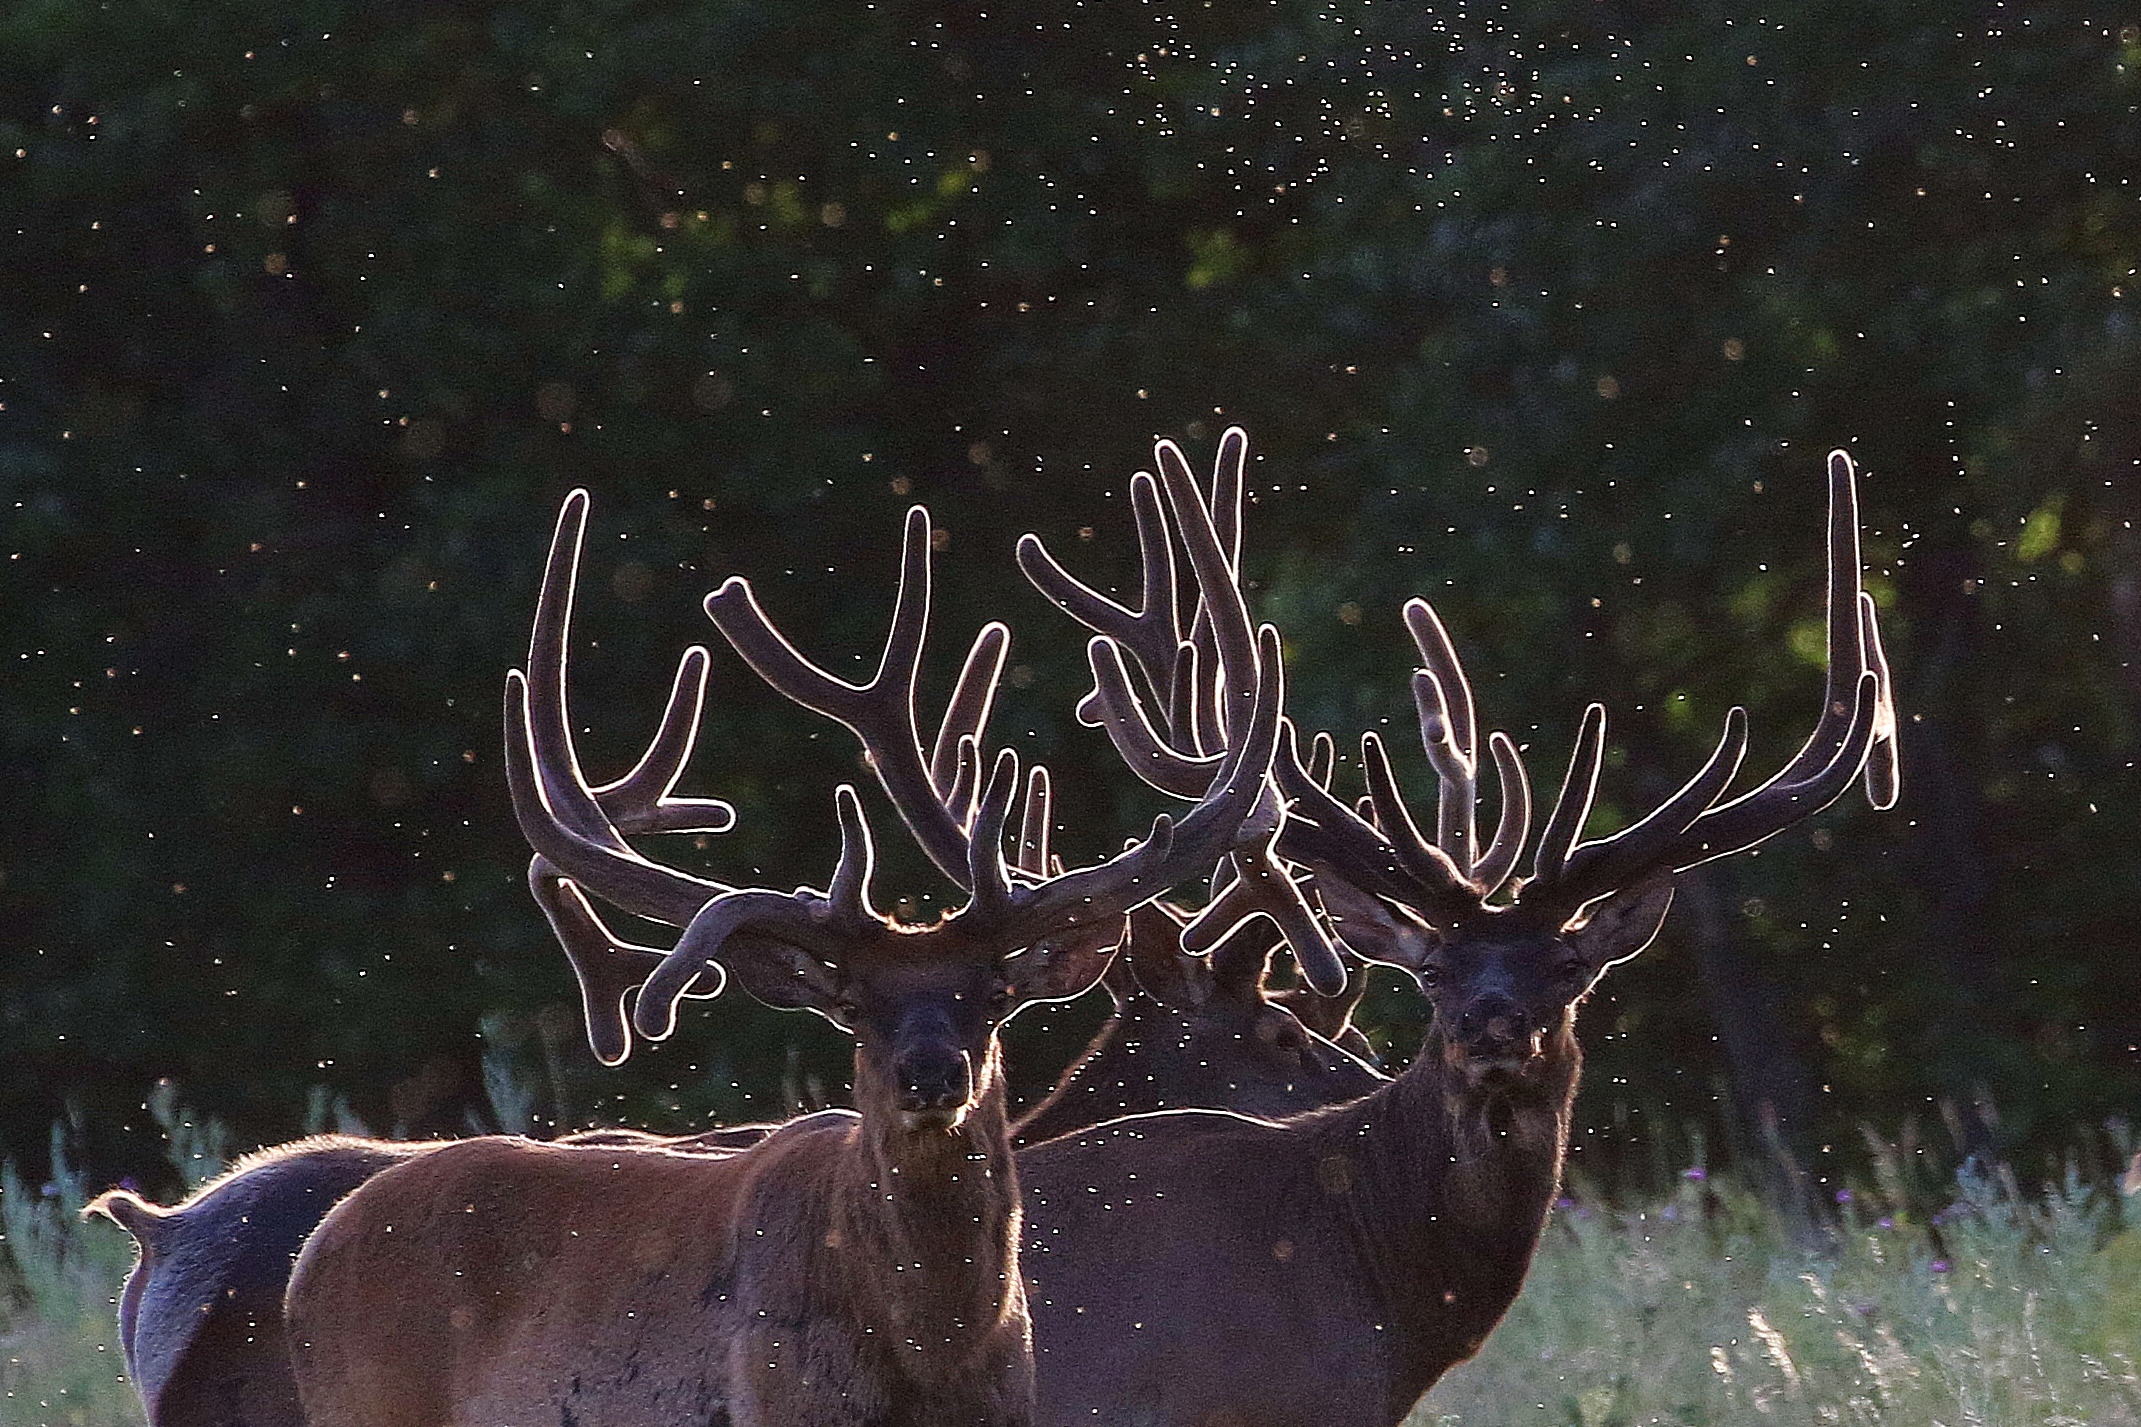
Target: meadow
1701,1304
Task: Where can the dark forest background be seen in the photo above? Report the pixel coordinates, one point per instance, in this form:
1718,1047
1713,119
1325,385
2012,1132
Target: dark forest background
313,311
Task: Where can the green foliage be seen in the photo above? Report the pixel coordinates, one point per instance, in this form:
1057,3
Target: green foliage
316,310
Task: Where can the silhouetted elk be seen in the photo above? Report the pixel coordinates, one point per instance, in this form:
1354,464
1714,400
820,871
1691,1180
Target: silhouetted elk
1195,1022
1328,1268
858,1268
211,1275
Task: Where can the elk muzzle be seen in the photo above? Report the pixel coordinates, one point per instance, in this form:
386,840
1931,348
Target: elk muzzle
1496,1040
935,1082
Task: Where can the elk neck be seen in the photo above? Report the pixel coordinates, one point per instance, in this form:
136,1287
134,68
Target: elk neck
1444,1187
929,1219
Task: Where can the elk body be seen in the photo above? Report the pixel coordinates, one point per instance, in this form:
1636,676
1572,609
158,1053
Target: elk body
846,1269
201,1312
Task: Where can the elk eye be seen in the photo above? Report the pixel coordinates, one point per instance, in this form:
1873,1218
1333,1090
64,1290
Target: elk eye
1430,976
1574,968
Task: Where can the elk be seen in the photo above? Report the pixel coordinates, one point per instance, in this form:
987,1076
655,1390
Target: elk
200,1310
1328,1268
1196,1024
845,1269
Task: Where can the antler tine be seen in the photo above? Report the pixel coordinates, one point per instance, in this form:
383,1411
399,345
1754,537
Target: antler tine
1763,812
554,758
1129,726
552,814
1845,628
1448,730
1322,831
1226,506
1322,758
1858,714
1424,860
563,818
1613,862
967,713
1514,824
1035,827
826,924
1262,884
849,895
1189,702
1149,632
1219,589
966,782
1884,778
881,713
1173,851
987,871
1572,805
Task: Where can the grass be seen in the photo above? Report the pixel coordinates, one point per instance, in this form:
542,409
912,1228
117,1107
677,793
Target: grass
59,1290
1704,1307
1710,1310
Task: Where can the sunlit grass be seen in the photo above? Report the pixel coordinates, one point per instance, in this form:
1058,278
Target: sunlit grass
60,1364
1704,1308
2007,1309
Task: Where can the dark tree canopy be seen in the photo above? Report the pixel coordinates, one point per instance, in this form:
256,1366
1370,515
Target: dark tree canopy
314,311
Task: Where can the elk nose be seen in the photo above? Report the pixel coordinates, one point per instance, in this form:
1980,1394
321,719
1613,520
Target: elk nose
935,1078
1494,1024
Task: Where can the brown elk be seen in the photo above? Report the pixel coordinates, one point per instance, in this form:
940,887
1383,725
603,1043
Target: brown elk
200,1311
857,1269
1191,1267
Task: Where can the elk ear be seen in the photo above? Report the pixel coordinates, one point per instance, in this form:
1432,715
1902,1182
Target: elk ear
786,977
1623,924
1067,964
1163,969
1371,928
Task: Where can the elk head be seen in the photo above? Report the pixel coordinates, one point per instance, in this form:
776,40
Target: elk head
1505,976
923,1001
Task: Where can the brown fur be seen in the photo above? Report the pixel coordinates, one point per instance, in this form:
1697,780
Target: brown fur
846,1271
1322,1272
